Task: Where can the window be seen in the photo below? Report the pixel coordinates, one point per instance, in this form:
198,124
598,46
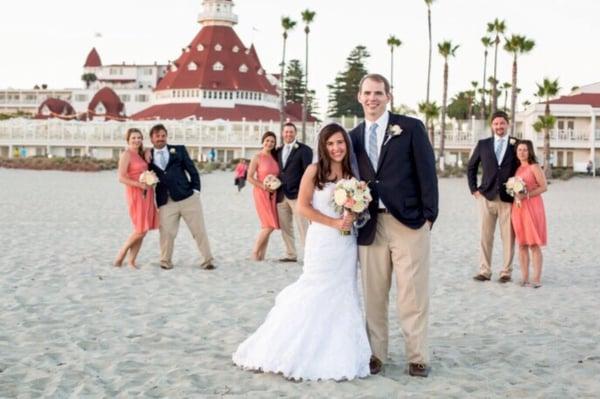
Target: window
200,47
173,68
80,97
148,71
192,66
260,71
217,66
125,97
142,98
235,49
243,68
218,47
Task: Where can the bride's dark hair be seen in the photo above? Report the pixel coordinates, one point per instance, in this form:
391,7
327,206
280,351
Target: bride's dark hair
324,161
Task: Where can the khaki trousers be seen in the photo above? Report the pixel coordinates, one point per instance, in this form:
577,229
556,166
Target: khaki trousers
404,252
490,212
190,209
286,211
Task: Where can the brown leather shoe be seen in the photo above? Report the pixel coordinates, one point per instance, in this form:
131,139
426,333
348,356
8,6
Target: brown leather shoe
504,279
480,277
375,365
418,370
166,266
288,260
210,266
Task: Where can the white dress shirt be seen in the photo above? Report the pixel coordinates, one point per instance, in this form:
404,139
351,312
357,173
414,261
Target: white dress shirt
382,123
157,157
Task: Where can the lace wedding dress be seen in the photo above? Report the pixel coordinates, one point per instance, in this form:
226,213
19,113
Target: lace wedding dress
316,328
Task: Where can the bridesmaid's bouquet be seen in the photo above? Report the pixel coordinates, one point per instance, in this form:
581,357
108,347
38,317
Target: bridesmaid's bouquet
515,185
149,178
272,182
351,195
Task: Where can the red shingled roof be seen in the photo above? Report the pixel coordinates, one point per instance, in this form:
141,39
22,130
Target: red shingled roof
592,99
204,77
186,110
111,102
93,59
57,108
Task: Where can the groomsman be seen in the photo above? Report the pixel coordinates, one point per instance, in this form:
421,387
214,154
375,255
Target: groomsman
293,158
177,196
394,155
496,155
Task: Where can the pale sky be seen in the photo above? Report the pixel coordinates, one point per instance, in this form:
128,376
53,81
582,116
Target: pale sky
47,41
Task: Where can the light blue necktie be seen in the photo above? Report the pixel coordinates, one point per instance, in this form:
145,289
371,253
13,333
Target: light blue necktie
373,150
162,160
499,148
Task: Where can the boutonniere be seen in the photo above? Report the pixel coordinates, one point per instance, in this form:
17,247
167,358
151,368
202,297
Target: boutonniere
393,131
172,151
296,146
512,141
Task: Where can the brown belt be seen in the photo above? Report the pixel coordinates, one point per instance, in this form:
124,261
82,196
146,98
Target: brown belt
383,210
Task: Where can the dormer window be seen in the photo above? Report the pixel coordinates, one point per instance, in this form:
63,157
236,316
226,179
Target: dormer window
45,110
192,66
100,109
217,66
173,68
235,49
243,68
260,71
218,47
200,47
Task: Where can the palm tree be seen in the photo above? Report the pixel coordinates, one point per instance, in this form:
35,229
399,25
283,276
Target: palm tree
490,92
544,124
428,3
487,43
473,96
88,78
446,50
496,27
392,41
505,86
431,111
546,90
307,17
516,45
287,24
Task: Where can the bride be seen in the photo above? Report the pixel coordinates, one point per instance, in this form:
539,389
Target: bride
316,328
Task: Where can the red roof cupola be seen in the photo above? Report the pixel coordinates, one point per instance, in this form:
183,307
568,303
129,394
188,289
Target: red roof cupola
93,59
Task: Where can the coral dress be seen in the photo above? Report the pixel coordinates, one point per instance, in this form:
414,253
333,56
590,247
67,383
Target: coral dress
142,209
529,220
266,205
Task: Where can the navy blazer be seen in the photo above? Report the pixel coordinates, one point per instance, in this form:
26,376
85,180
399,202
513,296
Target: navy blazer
494,176
179,179
290,175
405,179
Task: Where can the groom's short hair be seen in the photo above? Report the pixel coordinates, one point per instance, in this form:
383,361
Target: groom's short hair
158,128
376,77
499,114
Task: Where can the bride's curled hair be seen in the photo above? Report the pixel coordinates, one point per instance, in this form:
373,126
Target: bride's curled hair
324,160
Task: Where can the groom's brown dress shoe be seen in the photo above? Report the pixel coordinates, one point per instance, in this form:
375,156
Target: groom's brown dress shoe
375,365
288,260
480,277
504,279
418,370
210,266
166,266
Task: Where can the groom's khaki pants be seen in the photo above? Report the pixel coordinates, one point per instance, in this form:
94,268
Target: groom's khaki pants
286,211
404,252
490,212
190,209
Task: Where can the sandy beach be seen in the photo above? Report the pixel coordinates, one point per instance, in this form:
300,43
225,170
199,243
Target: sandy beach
71,325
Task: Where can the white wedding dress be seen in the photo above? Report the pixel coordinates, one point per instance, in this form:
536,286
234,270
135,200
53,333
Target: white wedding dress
316,329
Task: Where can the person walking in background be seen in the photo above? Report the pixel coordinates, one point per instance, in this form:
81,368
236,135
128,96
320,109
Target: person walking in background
140,197
177,196
241,172
496,155
262,165
528,215
293,158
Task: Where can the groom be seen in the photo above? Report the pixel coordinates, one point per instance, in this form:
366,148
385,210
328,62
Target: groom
394,155
177,196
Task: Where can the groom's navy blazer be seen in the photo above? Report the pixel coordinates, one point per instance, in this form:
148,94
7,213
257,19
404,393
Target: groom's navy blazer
405,179
179,179
290,175
494,176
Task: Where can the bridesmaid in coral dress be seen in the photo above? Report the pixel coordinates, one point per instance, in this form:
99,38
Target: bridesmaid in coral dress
528,215
140,197
263,164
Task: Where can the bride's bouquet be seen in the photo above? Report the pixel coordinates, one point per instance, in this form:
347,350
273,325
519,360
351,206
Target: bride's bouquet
272,182
351,195
149,178
516,185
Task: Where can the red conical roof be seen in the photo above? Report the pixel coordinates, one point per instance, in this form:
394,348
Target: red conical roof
203,54
56,108
93,59
113,106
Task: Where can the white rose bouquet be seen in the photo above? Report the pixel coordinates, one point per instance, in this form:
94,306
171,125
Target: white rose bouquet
149,178
351,195
271,182
515,185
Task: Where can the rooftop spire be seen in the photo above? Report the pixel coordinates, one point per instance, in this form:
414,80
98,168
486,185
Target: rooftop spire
217,12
